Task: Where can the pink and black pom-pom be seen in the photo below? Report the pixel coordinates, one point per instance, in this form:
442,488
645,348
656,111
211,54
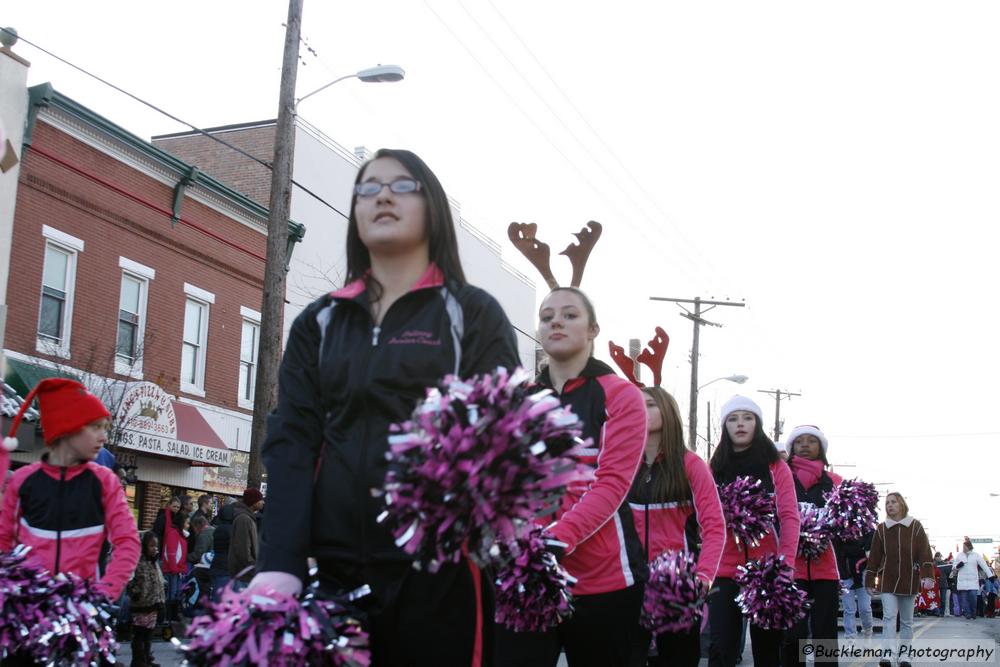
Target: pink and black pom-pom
814,531
675,596
58,619
247,629
748,509
532,588
853,509
476,460
768,594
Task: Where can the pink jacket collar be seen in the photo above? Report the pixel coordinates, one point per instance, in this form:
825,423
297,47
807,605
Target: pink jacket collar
432,277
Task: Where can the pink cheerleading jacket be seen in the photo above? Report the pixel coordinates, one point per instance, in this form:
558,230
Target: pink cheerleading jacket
64,514
667,526
825,567
603,550
736,554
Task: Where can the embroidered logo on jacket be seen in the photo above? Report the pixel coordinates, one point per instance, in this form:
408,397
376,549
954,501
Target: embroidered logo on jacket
415,337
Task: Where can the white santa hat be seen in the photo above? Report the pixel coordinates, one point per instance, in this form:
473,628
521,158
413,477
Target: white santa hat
806,429
738,402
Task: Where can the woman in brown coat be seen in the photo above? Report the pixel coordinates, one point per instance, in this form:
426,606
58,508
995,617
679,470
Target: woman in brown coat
902,561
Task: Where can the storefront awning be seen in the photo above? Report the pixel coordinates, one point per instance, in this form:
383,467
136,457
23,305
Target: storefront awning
22,376
151,422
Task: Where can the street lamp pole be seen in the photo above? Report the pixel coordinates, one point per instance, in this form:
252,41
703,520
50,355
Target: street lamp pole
276,261
738,379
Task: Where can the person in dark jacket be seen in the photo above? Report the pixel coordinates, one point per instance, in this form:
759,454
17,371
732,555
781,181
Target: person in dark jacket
243,543
358,360
851,558
221,538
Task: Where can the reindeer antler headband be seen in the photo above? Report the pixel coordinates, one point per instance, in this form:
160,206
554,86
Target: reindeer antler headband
522,235
652,356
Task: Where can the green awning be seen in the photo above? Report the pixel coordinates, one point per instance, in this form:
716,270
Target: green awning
22,376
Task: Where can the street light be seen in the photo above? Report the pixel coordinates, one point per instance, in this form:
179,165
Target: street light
377,74
693,427
738,379
273,301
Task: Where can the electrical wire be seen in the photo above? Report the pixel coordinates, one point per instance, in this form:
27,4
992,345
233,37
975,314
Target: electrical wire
700,264
174,118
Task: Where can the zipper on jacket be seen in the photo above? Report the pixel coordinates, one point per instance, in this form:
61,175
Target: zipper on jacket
376,330
59,515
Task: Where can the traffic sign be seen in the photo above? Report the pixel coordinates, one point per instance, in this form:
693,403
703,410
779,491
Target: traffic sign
981,540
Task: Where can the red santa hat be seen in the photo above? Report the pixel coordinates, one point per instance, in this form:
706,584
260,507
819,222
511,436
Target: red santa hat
65,407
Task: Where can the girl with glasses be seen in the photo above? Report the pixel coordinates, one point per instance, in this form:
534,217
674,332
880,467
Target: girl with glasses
675,504
744,450
358,360
594,524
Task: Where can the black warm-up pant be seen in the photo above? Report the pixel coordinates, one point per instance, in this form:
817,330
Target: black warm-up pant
418,619
824,597
601,633
725,626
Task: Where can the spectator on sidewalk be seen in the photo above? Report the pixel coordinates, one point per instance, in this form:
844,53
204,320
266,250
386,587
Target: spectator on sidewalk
203,535
966,571
243,545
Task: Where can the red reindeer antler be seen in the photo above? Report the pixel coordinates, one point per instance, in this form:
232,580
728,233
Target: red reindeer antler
653,355
624,362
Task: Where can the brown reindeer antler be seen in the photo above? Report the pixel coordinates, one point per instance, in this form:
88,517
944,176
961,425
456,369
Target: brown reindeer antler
653,355
624,362
522,235
579,252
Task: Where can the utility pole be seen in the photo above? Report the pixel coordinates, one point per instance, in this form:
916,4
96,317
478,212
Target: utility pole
777,393
273,303
698,323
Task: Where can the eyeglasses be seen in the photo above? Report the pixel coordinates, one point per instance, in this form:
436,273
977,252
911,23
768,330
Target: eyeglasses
400,186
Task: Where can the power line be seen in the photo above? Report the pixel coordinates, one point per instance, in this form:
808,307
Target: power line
702,259
548,139
174,118
897,436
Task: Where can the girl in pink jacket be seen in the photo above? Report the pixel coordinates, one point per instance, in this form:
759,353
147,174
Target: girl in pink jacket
65,506
675,506
744,450
819,577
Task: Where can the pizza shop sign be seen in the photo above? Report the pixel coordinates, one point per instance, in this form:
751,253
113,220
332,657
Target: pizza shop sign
146,422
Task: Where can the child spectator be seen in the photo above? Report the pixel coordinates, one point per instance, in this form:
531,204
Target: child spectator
65,506
147,599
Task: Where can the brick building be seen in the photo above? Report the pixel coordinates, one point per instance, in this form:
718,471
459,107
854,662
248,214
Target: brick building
142,276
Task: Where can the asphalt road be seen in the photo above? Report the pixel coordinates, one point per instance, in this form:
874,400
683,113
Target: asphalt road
980,629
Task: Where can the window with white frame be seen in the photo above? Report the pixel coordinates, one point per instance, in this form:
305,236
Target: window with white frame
55,312
249,346
195,342
130,341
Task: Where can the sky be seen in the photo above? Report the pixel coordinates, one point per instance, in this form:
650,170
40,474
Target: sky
834,166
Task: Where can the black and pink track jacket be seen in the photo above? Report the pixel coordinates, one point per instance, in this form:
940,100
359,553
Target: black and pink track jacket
65,513
825,567
664,526
343,382
603,549
777,479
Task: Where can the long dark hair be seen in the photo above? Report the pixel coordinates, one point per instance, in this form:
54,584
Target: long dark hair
442,241
671,483
761,448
